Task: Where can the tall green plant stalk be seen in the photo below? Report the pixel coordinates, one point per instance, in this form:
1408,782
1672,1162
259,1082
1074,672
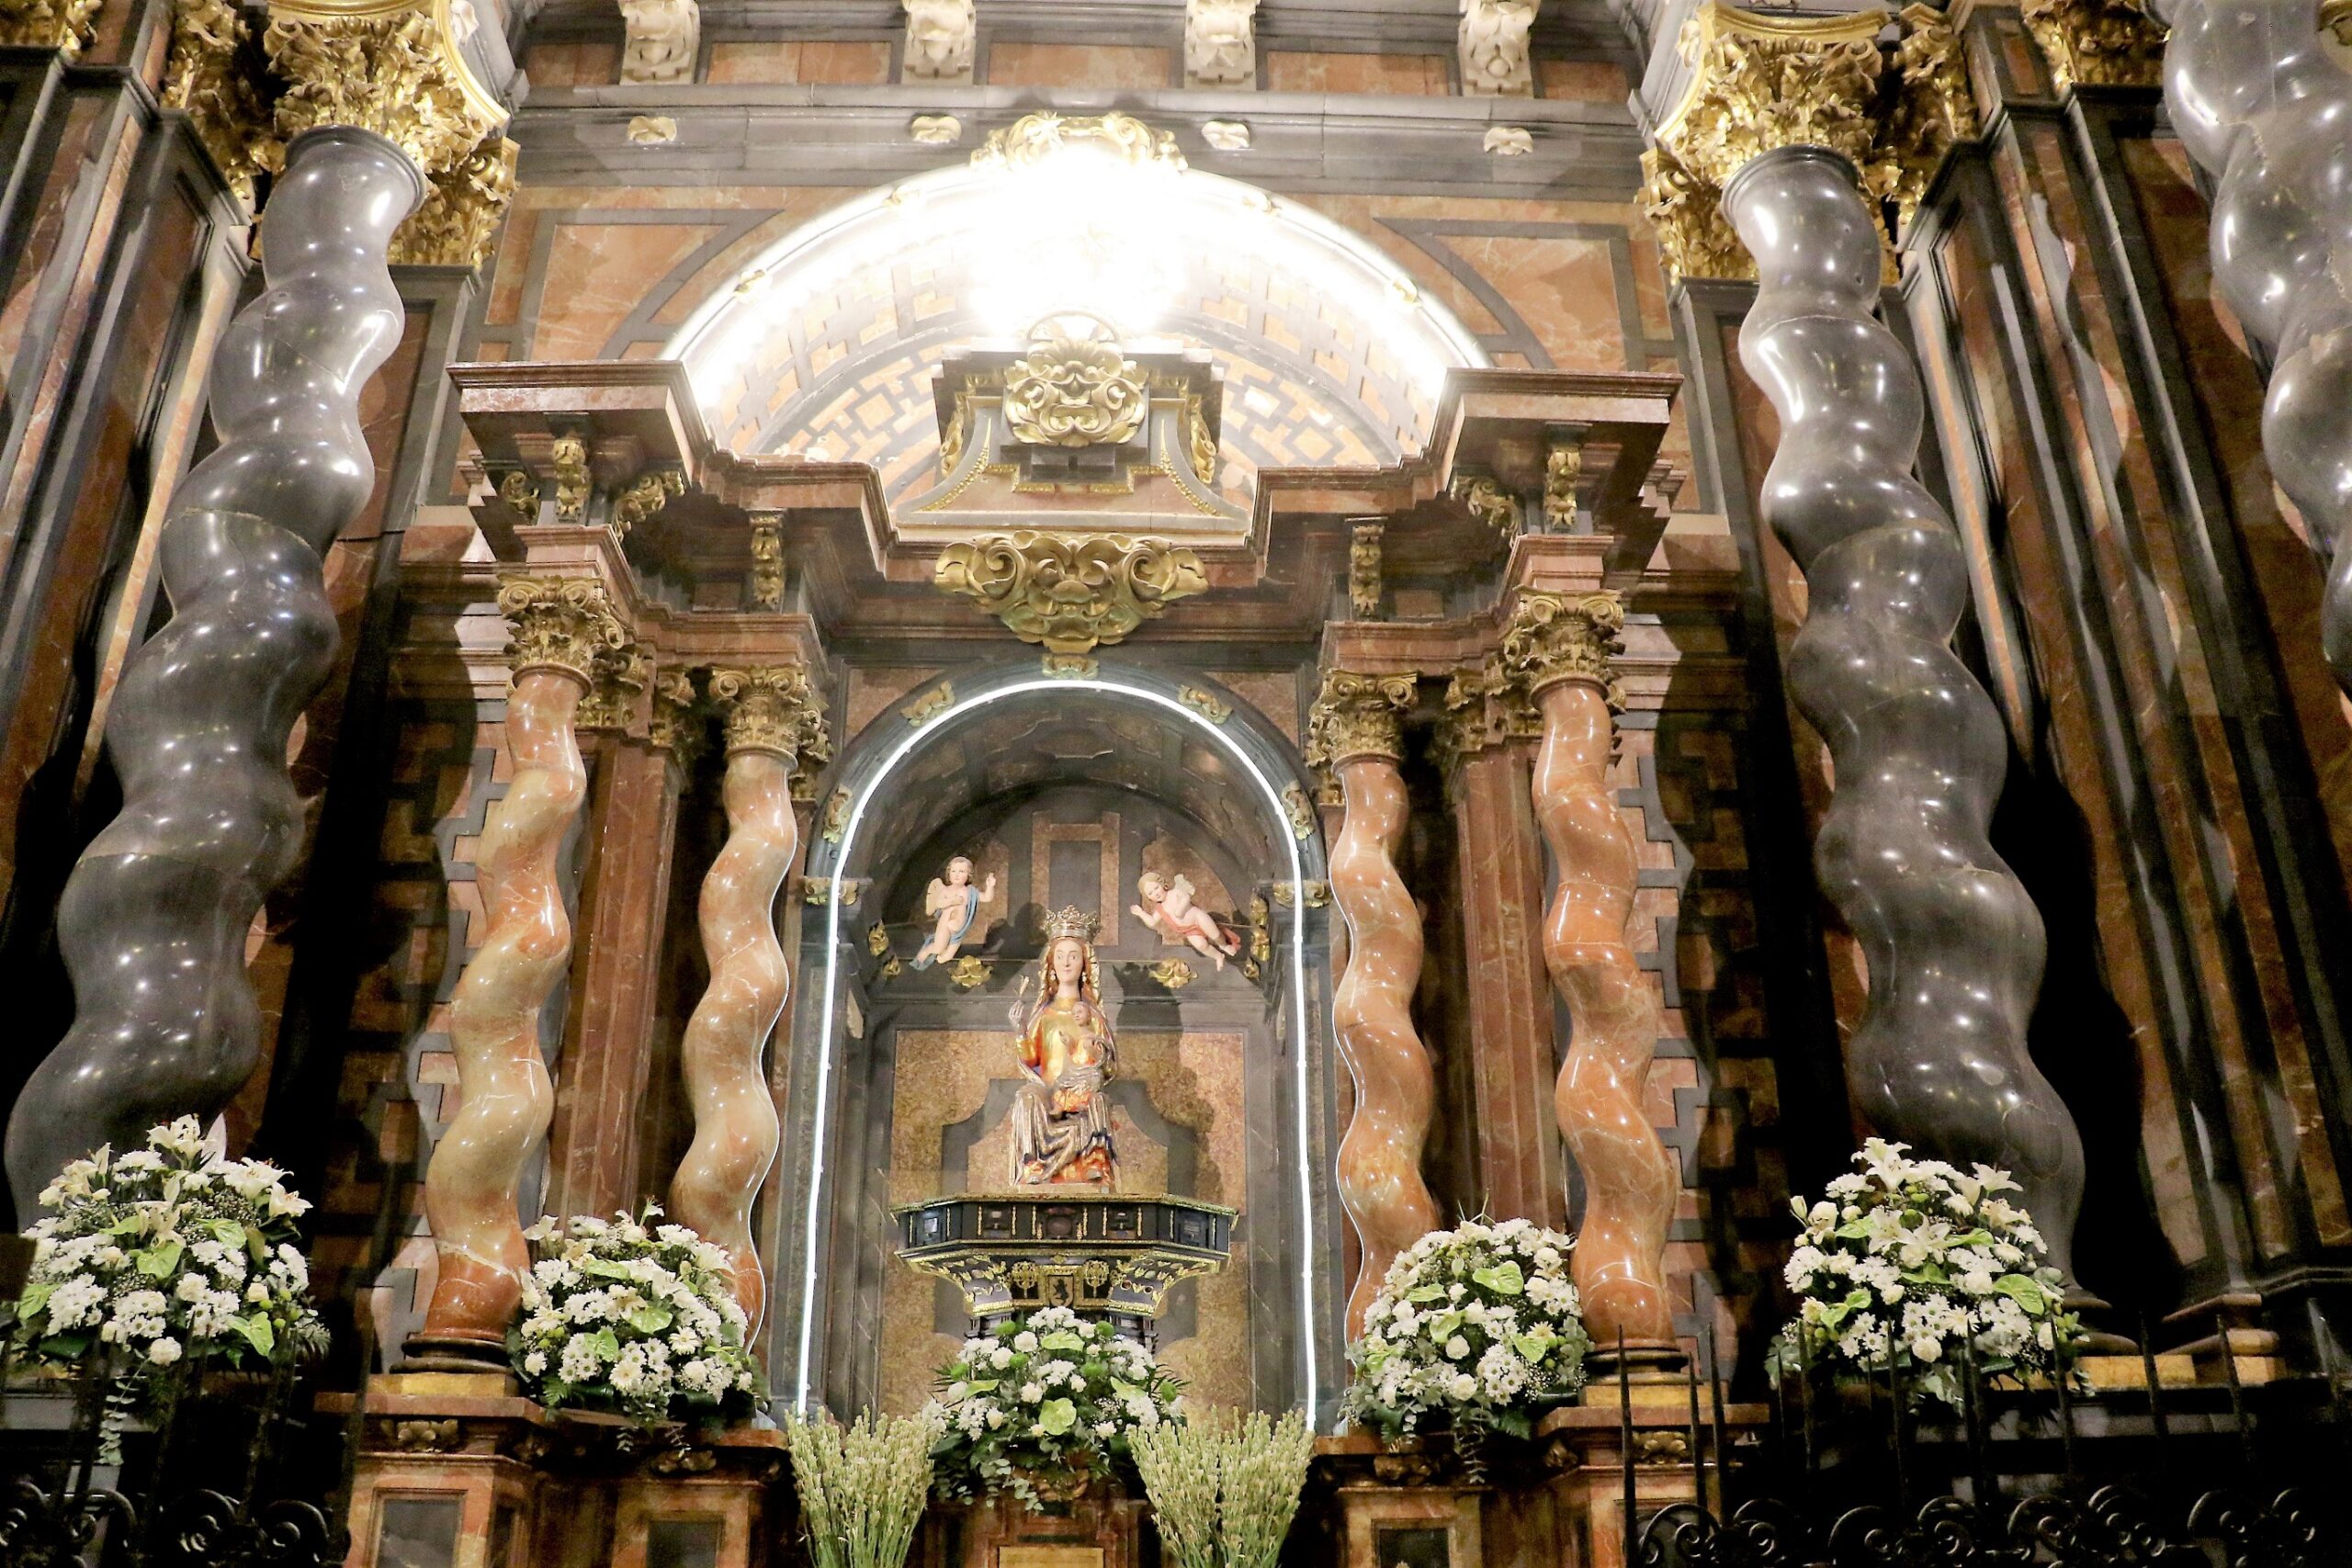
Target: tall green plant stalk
861,1487
1264,1472
1181,1464
1225,1486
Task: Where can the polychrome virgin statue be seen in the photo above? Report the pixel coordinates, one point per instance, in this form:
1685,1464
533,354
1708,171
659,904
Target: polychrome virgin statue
1061,1118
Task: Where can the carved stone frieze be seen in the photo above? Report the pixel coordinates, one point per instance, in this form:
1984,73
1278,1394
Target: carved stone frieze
1492,43
395,73
622,676
1069,392
767,562
1552,638
940,36
204,76
1070,592
644,496
564,623
662,39
1220,43
458,221
2096,43
1357,715
1035,137
770,708
61,24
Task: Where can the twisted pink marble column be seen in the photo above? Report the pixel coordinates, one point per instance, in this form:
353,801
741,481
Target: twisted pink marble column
504,1100
1357,734
770,721
1631,1182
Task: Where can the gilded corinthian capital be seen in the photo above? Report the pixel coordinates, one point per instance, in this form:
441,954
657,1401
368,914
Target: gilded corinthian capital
393,69
1553,639
770,708
1358,715
461,210
562,623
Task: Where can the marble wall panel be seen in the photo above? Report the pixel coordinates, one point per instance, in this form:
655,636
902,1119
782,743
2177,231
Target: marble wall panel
1401,75
1097,65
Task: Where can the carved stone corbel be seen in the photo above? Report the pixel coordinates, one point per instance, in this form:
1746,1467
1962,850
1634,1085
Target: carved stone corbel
1492,42
663,41
940,38
1220,43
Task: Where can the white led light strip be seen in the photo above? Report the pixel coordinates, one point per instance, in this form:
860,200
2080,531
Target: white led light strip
1281,831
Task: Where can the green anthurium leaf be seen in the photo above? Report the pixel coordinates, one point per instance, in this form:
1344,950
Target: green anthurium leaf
1531,1346
2027,1293
982,1386
1503,1279
1428,1294
258,1332
228,1233
1062,1339
1057,1417
607,1344
35,1299
257,1247
652,1318
1445,1327
605,1268
159,1261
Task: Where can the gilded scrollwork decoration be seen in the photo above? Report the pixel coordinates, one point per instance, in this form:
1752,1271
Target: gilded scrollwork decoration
457,223
1072,391
1070,592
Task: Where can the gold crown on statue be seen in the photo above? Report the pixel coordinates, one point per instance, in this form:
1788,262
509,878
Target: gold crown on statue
1070,921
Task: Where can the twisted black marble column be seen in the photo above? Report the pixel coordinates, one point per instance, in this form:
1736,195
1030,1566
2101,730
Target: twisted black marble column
1953,941
153,921
2265,112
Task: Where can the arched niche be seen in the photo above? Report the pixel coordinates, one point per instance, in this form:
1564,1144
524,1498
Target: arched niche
1226,1079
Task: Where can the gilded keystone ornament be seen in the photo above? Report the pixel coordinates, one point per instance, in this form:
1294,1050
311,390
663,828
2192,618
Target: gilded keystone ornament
1070,592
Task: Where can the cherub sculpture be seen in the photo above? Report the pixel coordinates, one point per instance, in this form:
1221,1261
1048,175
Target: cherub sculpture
1174,915
953,904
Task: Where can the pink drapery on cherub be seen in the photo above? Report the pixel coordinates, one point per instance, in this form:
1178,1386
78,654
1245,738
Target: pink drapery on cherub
1174,916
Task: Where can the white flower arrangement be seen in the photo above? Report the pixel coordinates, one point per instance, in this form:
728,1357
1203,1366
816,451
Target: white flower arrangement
633,1319
1476,1328
168,1254
1049,1393
1914,1266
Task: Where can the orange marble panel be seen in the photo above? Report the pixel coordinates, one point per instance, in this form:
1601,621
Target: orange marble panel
1405,75
1019,65
1588,81
573,63
597,273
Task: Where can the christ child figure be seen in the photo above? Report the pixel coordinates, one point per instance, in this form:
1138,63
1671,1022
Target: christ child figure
1173,915
953,904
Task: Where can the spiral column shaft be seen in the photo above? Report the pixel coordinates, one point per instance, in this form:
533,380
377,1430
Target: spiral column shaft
1630,1181
504,1098
771,720
153,920
2264,110
1356,732
1953,940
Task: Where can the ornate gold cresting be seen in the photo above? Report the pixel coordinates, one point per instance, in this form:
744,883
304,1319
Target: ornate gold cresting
1070,592
1033,137
1069,391
1764,81
396,71
771,708
458,221
1357,715
62,25
2101,43
1552,638
563,623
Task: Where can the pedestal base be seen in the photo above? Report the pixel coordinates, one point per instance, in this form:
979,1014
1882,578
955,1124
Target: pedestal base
998,1532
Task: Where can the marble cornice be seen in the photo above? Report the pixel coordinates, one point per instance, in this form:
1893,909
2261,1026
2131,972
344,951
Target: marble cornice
1301,143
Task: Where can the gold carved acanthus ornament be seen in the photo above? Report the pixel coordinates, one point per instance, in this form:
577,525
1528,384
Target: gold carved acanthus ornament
771,708
559,624
1552,638
2102,43
1070,393
204,77
622,675
458,219
1072,593
395,70
1357,715
61,24
671,727
1033,137
1761,83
